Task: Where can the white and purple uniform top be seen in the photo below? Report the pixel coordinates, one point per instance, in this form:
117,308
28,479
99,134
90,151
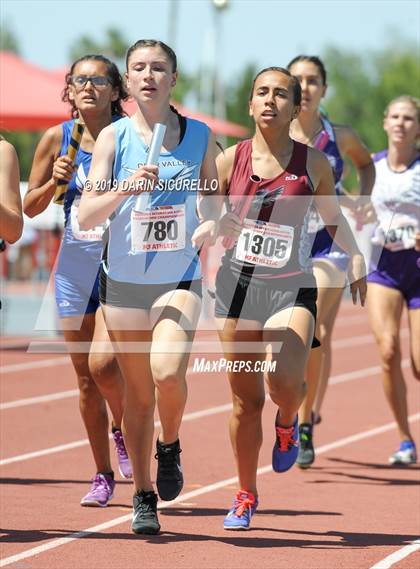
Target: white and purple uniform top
396,199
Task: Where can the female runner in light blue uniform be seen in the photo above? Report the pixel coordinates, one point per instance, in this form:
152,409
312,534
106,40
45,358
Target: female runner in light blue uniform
151,280
94,90
330,261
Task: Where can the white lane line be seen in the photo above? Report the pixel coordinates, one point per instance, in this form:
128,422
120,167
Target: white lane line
39,399
35,365
63,360
362,340
341,378
51,450
390,560
334,380
366,372
53,544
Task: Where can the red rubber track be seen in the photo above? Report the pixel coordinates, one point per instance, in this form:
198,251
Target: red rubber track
350,510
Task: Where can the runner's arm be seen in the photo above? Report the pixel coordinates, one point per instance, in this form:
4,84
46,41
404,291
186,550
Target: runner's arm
10,202
326,201
351,145
101,196
209,199
47,169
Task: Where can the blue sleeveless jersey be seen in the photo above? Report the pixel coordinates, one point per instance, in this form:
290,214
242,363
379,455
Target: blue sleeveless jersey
76,253
323,246
326,142
179,173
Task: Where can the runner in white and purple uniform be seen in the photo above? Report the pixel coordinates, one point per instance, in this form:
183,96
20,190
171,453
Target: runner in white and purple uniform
330,262
394,280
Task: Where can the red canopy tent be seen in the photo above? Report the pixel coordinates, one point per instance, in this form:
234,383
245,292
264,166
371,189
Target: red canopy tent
30,99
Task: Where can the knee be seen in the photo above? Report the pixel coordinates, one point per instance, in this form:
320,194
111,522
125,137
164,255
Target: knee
248,408
88,392
285,383
389,349
166,378
103,369
324,334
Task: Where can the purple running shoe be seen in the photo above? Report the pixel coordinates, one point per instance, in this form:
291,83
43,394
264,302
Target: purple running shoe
124,464
101,491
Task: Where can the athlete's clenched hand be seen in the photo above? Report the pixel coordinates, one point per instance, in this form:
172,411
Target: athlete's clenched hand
357,278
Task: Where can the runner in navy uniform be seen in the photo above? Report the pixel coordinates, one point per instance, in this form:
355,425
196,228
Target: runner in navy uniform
330,261
95,91
265,289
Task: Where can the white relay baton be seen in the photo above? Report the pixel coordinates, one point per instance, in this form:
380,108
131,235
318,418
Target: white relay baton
154,152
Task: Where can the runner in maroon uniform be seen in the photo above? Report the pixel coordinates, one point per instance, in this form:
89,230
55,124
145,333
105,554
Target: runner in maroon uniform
265,289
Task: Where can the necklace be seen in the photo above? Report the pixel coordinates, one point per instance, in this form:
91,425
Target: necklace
310,140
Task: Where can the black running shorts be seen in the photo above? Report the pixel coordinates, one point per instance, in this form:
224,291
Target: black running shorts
130,295
238,296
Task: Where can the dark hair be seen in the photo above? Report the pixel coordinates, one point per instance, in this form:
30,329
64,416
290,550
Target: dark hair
153,43
312,59
297,91
113,75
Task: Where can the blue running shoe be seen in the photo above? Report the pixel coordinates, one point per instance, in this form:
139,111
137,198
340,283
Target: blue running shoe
239,516
405,455
286,447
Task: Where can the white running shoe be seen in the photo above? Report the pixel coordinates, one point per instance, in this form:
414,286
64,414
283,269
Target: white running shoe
406,454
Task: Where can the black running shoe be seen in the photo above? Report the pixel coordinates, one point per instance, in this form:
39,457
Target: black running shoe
169,480
306,453
145,518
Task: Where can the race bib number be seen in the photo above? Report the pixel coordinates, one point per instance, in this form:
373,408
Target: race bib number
315,222
265,244
94,234
400,234
159,229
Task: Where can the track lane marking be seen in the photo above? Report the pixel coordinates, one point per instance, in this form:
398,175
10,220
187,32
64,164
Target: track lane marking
193,494
75,444
39,399
12,368
63,360
334,380
398,555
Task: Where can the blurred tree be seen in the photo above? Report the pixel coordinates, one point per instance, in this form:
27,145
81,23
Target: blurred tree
25,144
8,39
114,46
238,97
362,85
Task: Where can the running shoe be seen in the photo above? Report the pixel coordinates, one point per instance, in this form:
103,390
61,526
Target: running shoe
124,464
406,454
285,448
239,516
306,452
101,491
145,518
169,479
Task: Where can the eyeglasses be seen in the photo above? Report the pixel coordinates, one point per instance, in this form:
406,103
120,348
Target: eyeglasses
79,81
